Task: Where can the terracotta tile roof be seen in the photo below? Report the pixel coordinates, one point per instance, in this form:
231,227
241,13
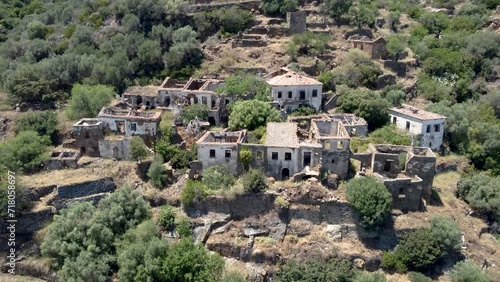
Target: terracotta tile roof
292,78
282,134
417,113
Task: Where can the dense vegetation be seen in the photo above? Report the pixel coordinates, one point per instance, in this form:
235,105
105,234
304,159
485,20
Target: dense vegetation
371,199
90,243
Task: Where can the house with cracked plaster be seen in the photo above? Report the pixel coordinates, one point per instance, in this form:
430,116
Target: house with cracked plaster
426,127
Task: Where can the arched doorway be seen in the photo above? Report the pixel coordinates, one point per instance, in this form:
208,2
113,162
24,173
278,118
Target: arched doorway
285,173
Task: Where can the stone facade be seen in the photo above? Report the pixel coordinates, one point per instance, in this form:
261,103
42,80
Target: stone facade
291,90
87,133
374,48
115,147
296,22
130,122
427,127
407,172
354,125
288,149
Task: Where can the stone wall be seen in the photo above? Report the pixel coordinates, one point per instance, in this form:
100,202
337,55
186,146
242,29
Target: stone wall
406,193
296,22
86,188
398,67
118,149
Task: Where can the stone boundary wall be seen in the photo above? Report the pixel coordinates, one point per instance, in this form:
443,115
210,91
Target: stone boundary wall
86,188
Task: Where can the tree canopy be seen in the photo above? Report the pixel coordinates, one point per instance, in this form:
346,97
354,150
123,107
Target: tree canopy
252,114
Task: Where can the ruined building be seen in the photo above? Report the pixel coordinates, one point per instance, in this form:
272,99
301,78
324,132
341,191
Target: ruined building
109,134
290,90
174,95
355,126
407,172
427,127
288,149
376,49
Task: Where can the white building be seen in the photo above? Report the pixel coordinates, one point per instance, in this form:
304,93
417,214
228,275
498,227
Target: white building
292,90
427,126
130,122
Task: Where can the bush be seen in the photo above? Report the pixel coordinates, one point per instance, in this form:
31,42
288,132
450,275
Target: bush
187,261
316,270
371,199
391,261
368,277
446,233
194,191
481,193
307,44
278,7
245,157
241,85
157,172
418,277
138,148
225,20
44,123
139,254
194,111
254,181
252,114
304,111
25,152
465,271
418,250
184,227
87,100
218,177
166,218
366,104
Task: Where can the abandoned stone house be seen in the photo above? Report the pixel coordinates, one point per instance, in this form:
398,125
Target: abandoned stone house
426,127
291,90
174,95
355,126
288,149
406,171
376,49
108,135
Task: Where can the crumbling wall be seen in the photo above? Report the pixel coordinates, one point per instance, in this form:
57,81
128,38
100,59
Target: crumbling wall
296,22
336,162
406,193
87,139
425,168
86,188
118,149
398,67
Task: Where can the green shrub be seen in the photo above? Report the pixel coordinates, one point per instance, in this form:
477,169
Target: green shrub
44,123
245,157
194,191
25,152
184,227
252,114
304,111
240,85
465,271
391,261
446,232
418,277
157,172
278,7
138,148
254,181
166,218
316,270
194,111
419,249
87,100
370,277
371,199
218,177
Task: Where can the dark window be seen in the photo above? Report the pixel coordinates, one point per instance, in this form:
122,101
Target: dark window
387,166
204,100
430,144
394,119
289,94
428,128
315,93
302,95
288,156
407,125
212,153
274,155
279,95
307,158
437,127
133,126
228,154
